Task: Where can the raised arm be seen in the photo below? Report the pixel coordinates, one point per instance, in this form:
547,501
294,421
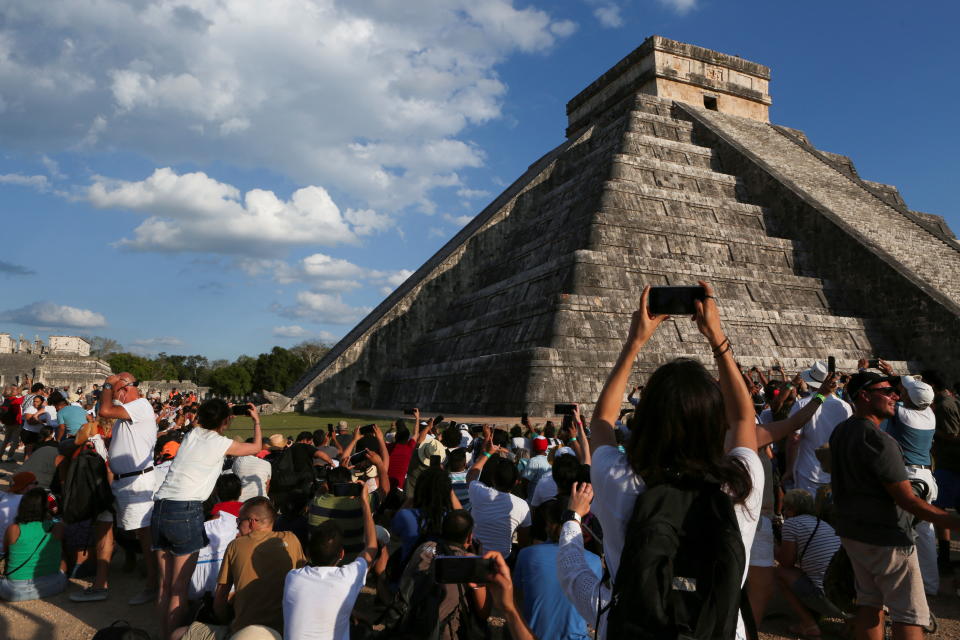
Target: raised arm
581,445
249,448
738,406
107,408
369,530
353,443
642,326
383,480
486,454
774,431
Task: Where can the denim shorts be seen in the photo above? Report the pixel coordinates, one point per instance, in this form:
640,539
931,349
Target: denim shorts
177,526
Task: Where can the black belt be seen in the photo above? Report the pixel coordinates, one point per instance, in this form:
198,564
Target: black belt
135,473
919,466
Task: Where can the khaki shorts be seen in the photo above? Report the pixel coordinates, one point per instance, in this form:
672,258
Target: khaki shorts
203,631
889,576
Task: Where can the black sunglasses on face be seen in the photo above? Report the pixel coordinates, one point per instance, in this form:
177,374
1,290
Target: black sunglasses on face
887,391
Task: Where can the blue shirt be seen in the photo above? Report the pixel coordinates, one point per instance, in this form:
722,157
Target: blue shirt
913,430
72,417
406,526
545,607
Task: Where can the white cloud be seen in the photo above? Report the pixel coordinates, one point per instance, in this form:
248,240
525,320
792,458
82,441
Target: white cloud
161,341
680,6
291,331
194,212
40,183
472,193
609,16
458,221
369,99
53,169
322,307
48,314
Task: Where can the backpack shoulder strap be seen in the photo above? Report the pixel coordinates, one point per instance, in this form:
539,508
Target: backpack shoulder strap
809,540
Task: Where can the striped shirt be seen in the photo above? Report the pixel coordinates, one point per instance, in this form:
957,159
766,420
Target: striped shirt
819,552
347,513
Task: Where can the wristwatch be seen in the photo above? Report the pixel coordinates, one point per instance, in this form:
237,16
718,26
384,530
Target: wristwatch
570,514
106,385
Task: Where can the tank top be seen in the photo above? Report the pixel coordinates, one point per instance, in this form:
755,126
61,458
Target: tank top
36,550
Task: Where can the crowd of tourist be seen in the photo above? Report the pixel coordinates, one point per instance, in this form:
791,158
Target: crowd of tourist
650,519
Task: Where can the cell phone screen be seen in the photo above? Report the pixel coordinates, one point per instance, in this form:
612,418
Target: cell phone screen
462,569
676,301
240,410
564,408
358,457
831,364
347,489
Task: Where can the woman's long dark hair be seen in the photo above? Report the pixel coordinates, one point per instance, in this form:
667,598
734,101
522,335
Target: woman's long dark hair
33,506
432,497
679,427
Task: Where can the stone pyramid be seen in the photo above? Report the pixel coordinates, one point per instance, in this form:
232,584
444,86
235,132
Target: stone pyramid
670,173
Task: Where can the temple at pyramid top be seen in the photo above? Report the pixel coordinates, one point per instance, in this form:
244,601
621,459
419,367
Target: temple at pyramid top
677,71
670,173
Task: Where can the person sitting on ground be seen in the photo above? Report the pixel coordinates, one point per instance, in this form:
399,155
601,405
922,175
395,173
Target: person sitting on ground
323,441
254,567
498,513
254,475
326,580
455,539
221,530
544,606
44,459
434,499
176,525
685,423
808,544
36,415
457,469
10,499
344,510
227,490
33,544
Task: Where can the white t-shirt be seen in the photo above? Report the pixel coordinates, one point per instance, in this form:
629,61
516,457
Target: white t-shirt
48,418
546,489
616,488
131,448
496,516
254,475
221,532
9,503
807,471
336,588
195,470
519,443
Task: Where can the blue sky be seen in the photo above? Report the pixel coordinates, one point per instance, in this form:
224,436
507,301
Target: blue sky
201,176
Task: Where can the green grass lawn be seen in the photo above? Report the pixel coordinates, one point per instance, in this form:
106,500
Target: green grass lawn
290,424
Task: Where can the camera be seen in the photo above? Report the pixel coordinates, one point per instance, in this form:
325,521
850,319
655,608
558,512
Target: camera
462,569
347,489
367,430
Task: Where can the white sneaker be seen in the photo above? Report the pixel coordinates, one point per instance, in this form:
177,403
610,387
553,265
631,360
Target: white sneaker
145,596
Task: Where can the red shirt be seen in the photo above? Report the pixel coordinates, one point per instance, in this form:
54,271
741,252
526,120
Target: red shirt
400,454
232,507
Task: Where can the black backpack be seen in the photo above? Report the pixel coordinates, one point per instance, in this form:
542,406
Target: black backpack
681,567
283,473
86,491
121,630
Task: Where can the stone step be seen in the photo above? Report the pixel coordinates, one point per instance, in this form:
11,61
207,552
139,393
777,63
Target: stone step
935,262
681,153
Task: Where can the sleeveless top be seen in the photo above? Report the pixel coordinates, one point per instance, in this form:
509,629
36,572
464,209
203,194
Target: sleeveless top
36,549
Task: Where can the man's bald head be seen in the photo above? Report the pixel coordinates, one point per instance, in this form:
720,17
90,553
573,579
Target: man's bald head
259,513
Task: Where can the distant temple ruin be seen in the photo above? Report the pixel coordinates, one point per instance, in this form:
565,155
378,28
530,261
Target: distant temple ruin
670,173
65,361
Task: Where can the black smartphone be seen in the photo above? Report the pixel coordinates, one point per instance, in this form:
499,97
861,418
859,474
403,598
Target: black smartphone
346,489
329,429
240,410
675,301
408,412
583,473
564,409
831,365
873,364
435,462
462,569
367,430
358,457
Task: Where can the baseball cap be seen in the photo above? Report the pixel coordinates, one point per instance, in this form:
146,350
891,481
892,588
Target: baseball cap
864,379
921,393
540,444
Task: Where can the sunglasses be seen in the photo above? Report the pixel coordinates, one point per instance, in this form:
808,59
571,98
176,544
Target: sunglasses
887,391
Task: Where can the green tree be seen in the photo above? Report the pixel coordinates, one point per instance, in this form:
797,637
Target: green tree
311,351
277,370
232,380
141,368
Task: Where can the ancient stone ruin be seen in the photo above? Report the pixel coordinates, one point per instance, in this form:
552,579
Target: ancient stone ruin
670,173
64,361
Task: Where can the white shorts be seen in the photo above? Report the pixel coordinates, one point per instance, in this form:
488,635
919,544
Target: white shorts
761,553
134,500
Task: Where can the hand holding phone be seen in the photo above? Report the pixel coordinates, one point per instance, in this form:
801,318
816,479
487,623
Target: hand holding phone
358,457
240,410
675,301
462,569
